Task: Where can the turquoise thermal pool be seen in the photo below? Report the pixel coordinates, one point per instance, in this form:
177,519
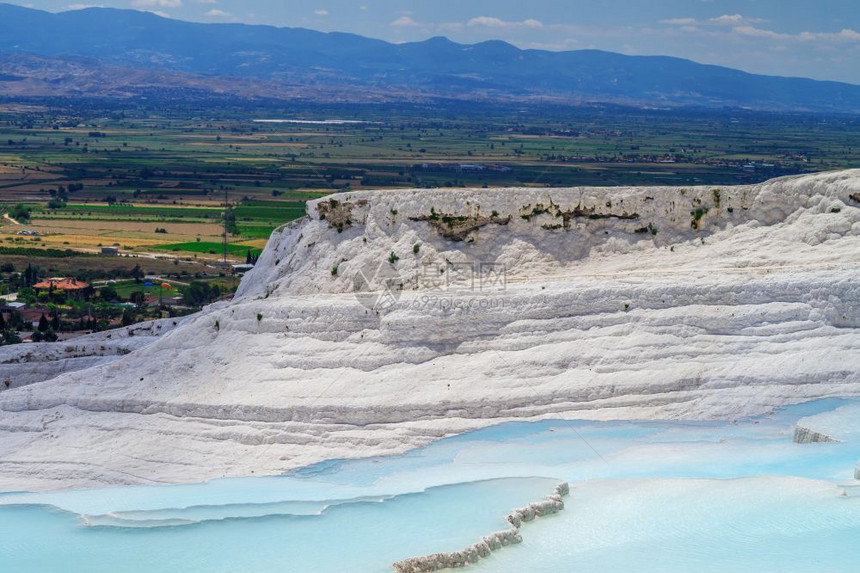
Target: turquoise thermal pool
645,496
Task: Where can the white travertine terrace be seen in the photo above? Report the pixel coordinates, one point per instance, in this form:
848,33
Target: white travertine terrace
651,302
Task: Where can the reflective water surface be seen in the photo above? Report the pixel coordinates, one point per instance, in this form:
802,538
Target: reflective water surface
645,496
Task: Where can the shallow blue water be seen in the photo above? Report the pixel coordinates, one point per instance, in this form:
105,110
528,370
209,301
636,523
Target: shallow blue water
360,536
755,524
647,496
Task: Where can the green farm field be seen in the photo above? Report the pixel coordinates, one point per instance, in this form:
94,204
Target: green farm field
156,179
211,248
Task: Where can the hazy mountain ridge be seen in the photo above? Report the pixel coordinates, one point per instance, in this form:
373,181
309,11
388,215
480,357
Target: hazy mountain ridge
295,57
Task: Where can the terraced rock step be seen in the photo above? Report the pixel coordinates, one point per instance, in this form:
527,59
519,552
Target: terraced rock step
754,307
493,542
807,436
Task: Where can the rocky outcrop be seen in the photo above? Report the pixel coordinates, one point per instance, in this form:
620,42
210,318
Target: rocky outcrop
538,232
833,426
458,228
493,542
806,436
340,214
462,558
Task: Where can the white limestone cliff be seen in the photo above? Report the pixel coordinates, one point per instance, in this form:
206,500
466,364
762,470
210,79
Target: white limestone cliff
696,303
23,364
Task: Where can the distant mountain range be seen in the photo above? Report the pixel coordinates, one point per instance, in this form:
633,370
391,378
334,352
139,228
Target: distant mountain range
103,52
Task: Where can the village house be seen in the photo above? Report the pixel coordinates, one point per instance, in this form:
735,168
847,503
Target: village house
72,287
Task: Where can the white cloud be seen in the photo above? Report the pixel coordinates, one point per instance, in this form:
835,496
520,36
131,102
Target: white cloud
679,21
724,20
845,35
758,32
744,26
493,22
156,3
216,13
487,21
321,12
404,22
728,19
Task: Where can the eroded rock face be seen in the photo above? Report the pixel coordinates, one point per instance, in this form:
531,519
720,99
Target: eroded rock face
806,436
537,232
489,543
341,215
754,308
458,228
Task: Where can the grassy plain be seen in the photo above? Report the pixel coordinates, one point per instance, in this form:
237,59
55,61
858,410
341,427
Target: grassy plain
156,179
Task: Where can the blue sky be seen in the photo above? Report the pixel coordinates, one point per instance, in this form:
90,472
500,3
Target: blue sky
781,37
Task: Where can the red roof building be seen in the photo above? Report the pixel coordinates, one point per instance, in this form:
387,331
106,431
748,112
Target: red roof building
70,285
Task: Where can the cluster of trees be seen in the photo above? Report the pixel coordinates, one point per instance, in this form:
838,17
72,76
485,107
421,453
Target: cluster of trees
60,195
108,293
22,282
9,328
47,329
20,212
200,293
97,310
114,200
30,276
58,198
128,317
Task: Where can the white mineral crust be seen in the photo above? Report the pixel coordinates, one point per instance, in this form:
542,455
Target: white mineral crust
619,303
